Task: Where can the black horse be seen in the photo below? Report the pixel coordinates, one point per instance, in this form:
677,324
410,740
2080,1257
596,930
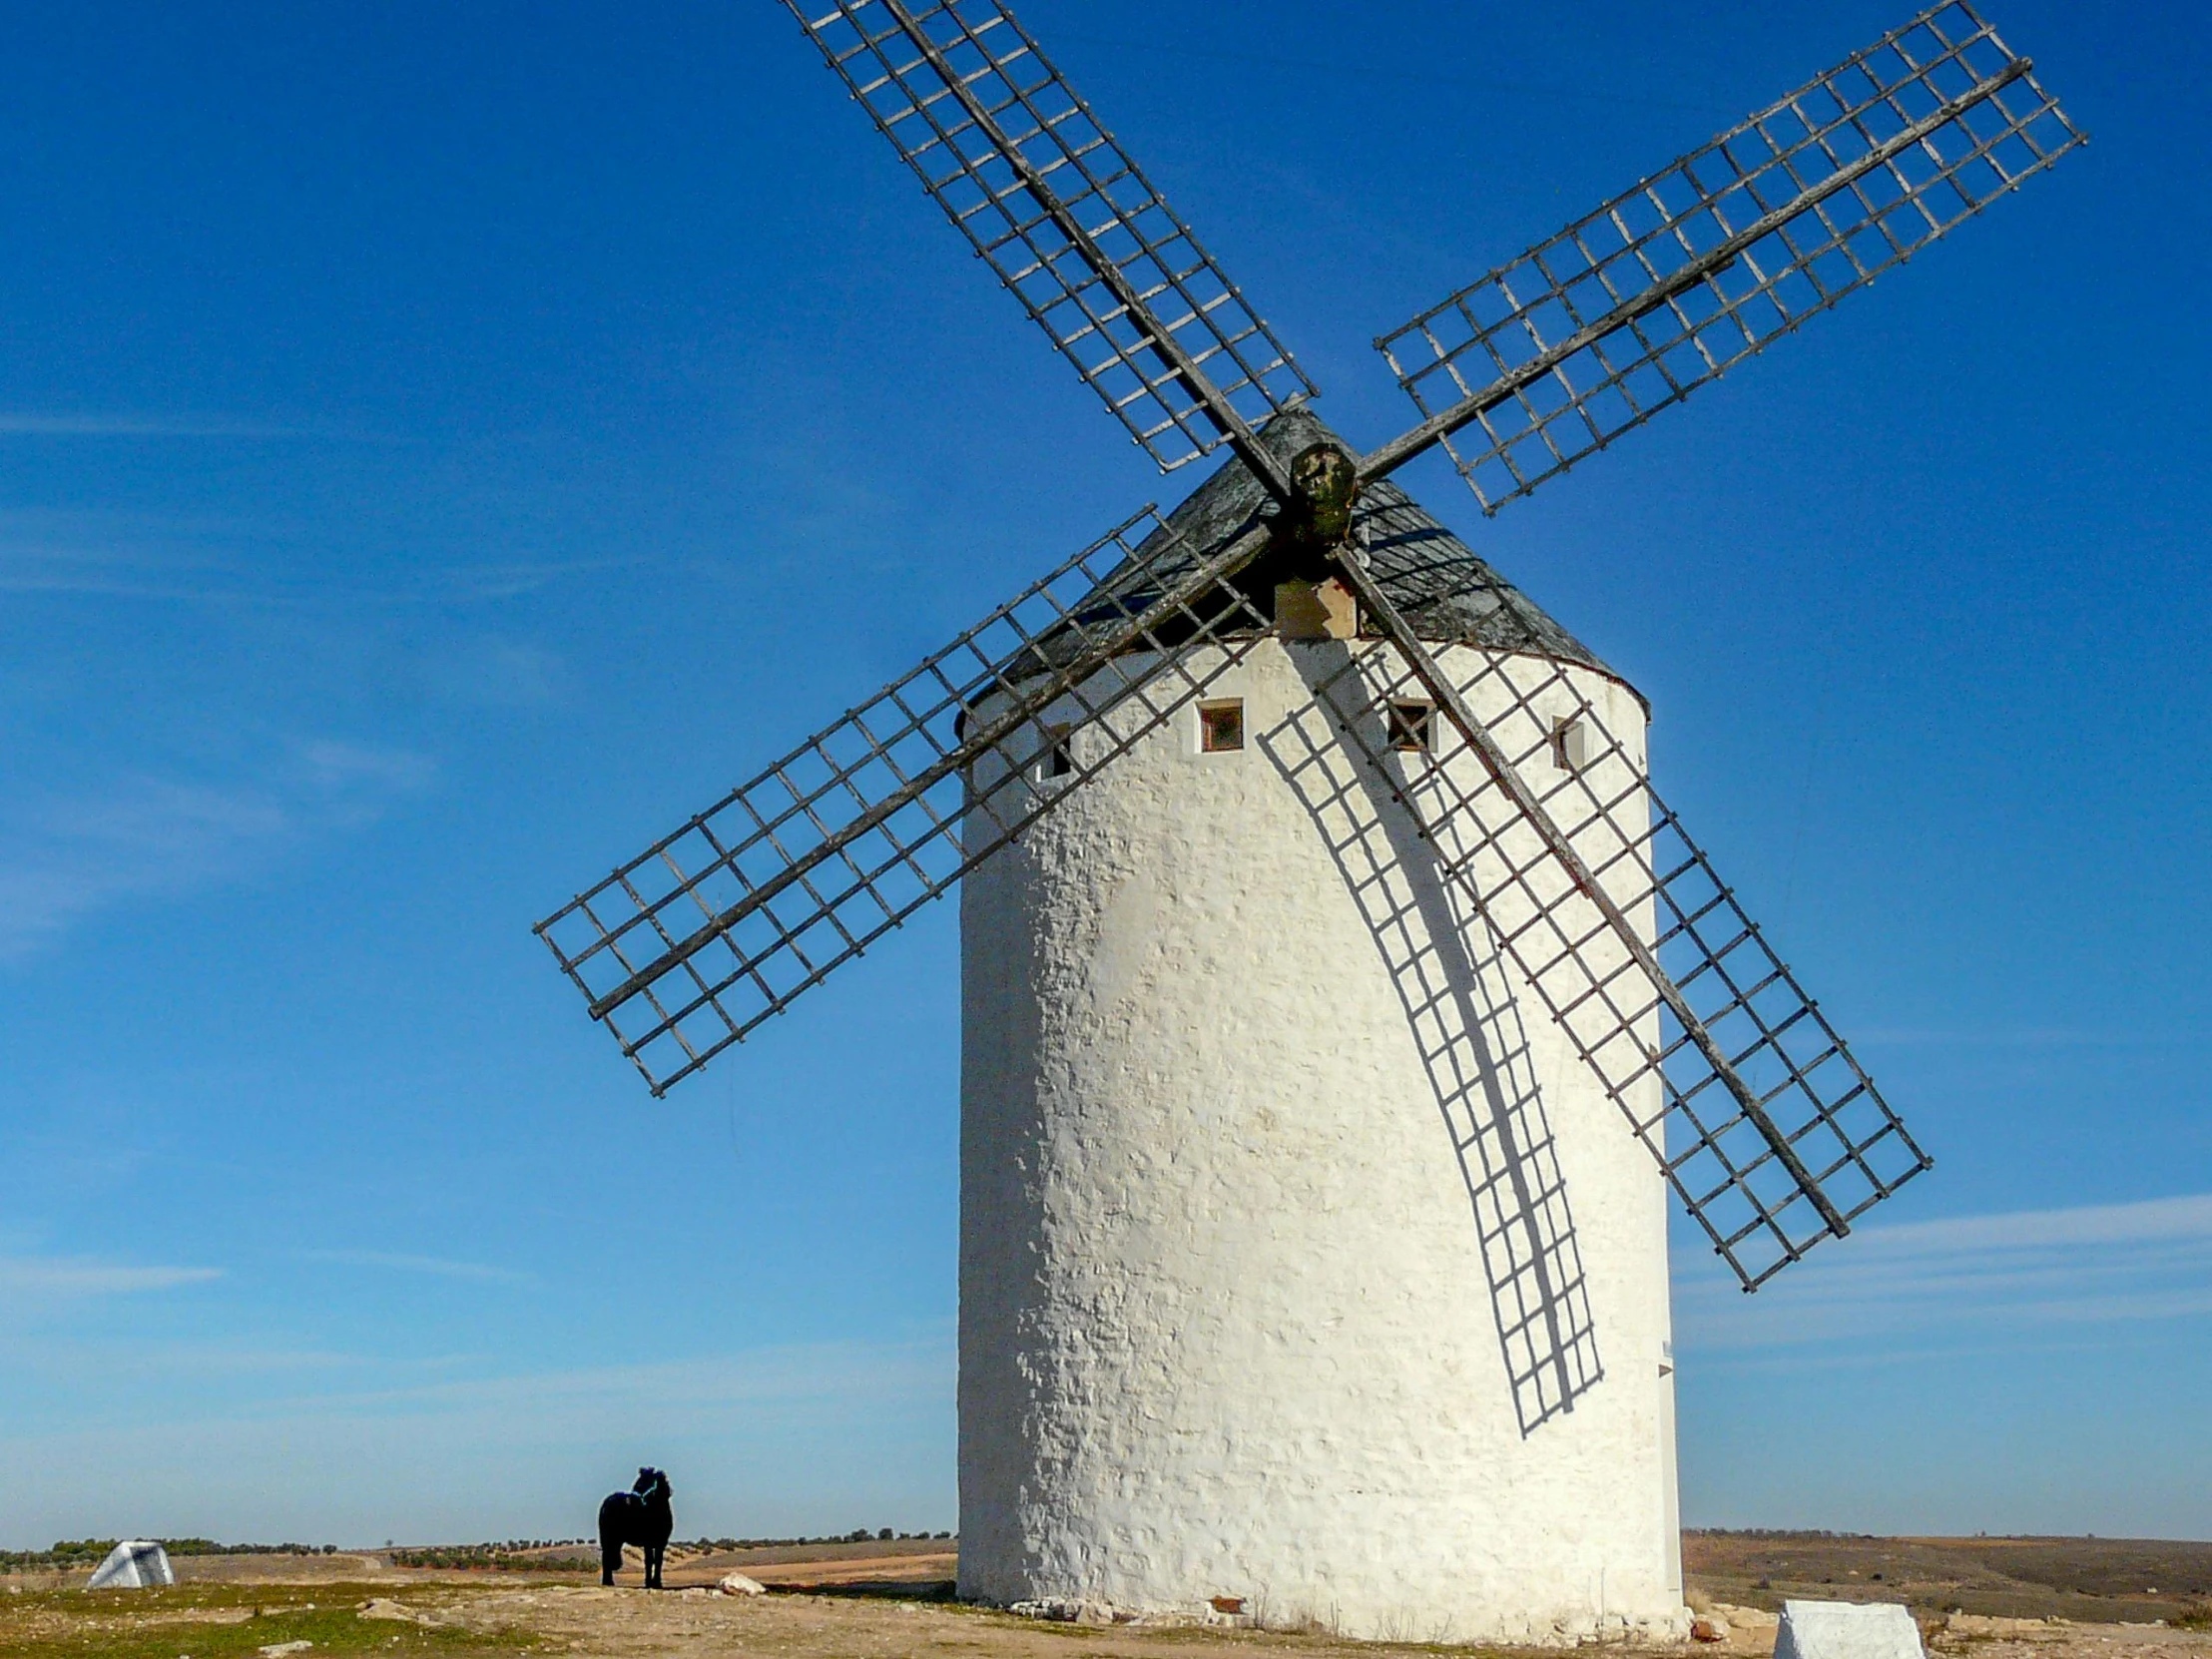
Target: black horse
640,1516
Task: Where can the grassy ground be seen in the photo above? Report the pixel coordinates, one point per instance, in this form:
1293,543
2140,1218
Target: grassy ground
233,1621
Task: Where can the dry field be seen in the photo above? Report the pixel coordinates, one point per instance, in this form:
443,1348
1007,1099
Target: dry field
2087,1580
884,1601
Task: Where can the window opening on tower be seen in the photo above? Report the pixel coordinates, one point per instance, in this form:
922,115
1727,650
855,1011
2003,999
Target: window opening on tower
1412,727
1059,758
1221,725
1570,743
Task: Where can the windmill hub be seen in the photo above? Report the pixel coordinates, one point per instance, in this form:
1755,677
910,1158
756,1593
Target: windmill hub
1316,520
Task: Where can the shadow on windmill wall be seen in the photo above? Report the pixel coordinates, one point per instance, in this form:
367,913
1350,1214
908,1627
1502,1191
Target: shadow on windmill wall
1466,1025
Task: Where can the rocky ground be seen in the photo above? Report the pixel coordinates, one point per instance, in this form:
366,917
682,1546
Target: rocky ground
873,1601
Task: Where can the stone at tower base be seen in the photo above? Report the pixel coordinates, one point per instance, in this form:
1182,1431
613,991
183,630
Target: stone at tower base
1846,1630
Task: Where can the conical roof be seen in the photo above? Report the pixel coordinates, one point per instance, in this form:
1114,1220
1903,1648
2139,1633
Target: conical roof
1445,588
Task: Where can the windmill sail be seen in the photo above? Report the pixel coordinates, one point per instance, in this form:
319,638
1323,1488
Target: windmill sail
1768,1130
1635,306
1065,219
720,923
1771,1132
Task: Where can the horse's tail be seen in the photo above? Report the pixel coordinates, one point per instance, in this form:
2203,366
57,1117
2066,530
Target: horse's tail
613,1534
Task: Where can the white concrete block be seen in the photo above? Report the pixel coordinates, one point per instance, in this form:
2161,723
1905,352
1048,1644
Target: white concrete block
134,1564
1846,1630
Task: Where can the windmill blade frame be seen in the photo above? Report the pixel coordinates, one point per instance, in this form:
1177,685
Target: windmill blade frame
727,920
1630,310
688,946
1755,1165
1064,217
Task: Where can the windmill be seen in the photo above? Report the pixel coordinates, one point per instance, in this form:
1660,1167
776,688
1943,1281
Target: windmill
1288,824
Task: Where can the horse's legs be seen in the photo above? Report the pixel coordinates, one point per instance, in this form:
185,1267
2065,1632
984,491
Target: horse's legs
653,1566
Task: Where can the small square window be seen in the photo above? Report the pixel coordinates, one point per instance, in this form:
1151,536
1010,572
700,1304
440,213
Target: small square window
1221,725
1058,759
1570,743
1412,727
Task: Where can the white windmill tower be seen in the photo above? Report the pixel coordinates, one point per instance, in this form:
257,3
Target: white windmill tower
1321,923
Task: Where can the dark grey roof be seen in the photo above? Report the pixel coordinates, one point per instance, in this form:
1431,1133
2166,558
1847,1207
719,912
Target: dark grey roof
1447,590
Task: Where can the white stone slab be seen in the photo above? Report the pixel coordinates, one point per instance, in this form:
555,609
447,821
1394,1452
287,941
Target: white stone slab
1846,1630
133,1564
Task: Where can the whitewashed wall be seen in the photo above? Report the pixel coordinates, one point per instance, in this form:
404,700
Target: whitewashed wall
1259,1164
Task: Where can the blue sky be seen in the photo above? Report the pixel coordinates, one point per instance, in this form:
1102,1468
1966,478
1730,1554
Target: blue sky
443,447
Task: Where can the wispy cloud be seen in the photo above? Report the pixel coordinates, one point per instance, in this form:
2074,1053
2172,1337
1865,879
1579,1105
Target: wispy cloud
2147,1220
159,557
2020,1274
161,568
246,566
483,583
263,561
56,1278
500,674
66,857
808,1379
62,1375
2015,1037
807,1382
437,1267
45,424
346,769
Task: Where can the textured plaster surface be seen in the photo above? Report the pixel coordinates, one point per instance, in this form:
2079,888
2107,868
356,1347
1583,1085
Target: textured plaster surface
1299,1262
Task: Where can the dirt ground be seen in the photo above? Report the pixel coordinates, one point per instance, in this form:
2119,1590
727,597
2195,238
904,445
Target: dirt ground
880,1601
